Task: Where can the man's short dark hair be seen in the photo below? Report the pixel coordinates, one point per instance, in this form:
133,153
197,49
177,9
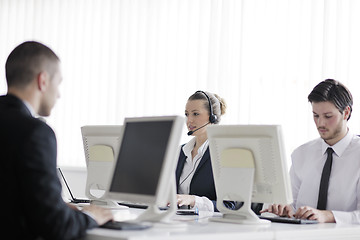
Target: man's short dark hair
332,91
26,61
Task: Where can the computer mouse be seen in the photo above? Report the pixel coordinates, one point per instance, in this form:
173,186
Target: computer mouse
269,214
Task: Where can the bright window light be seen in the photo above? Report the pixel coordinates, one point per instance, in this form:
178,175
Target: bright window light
127,58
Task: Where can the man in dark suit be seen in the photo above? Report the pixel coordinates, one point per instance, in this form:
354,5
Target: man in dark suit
33,207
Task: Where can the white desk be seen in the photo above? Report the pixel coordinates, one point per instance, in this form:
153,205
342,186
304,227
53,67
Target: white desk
200,228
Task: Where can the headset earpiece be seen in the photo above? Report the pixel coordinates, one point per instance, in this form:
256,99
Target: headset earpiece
212,117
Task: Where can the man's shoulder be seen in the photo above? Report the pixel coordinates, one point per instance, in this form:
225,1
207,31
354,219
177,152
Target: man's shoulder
312,143
9,100
308,146
355,141
355,137
40,125
21,124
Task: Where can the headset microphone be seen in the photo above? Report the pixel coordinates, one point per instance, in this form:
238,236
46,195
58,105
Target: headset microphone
191,132
212,117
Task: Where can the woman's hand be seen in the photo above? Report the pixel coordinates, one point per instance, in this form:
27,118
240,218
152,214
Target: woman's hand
183,199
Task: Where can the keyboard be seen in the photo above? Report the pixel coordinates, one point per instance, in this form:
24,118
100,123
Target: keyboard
188,212
279,219
77,200
138,205
125,225
133,205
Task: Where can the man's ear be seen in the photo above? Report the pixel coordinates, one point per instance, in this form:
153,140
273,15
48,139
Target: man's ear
42,81
347,112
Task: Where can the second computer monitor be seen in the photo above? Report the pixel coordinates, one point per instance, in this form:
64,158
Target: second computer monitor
101,145
249,165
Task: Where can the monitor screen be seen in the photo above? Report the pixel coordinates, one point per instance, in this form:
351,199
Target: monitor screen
141,157
148,152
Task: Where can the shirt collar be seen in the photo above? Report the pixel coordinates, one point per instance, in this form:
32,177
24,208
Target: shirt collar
188,147
340,146
30,108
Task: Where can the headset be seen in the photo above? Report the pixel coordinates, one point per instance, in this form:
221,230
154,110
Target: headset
212,117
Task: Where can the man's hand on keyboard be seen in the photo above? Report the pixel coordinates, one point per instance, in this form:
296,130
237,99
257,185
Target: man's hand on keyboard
99,214
307,212
280,210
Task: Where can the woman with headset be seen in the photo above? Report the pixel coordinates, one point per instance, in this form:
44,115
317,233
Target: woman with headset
194,176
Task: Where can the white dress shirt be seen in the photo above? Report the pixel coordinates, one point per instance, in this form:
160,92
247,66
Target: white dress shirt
30,108
344,185
190,165
32,112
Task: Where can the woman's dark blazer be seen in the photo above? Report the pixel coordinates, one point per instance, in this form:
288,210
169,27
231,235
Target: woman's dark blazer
202,183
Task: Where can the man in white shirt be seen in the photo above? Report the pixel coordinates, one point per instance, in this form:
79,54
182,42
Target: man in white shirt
325,172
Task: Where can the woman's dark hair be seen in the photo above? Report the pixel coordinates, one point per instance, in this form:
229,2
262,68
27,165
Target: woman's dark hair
332,91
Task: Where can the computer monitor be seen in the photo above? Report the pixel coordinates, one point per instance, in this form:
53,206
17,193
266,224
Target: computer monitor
144,171
249,165
101,145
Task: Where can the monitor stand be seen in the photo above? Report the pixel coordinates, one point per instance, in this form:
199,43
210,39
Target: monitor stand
235,183
97,197
162,218
106,203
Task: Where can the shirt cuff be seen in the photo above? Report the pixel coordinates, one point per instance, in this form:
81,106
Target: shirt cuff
342,217
89,214
203,204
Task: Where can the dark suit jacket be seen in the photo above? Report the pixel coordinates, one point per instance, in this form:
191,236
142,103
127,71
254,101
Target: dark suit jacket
32,205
